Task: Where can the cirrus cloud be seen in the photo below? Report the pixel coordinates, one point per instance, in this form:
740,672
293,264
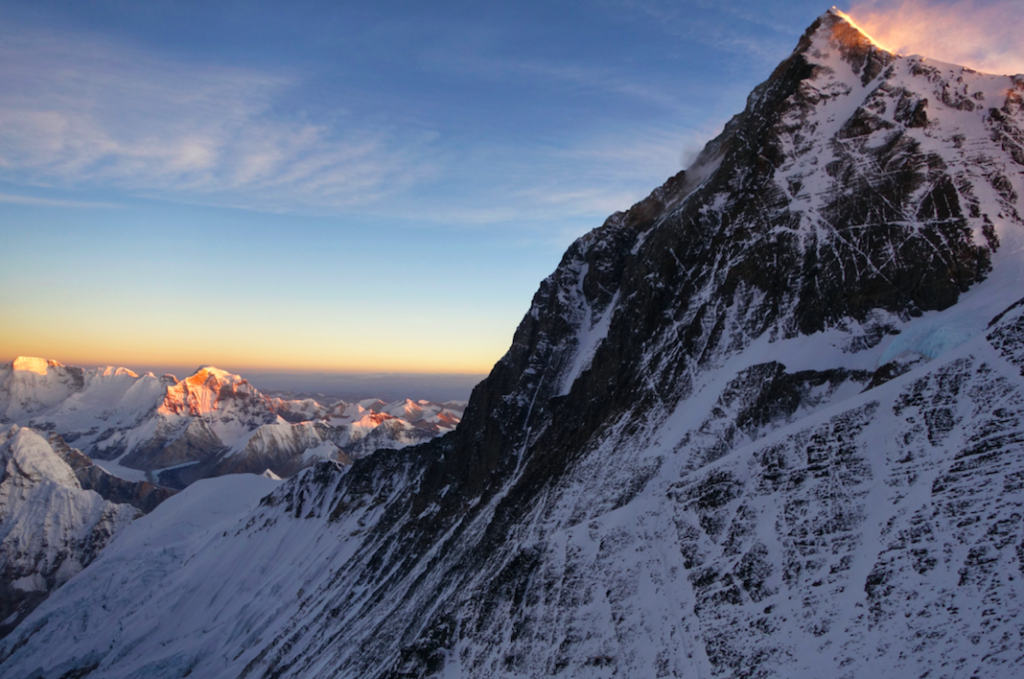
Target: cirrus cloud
77,112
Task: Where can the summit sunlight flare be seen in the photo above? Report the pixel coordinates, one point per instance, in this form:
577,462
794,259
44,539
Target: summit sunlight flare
985,36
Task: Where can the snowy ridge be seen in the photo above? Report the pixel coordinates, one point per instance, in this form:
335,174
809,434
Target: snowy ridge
50,528
767,422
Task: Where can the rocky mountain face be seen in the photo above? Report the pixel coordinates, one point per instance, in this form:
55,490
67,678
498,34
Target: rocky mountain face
140,494
767,422
211,423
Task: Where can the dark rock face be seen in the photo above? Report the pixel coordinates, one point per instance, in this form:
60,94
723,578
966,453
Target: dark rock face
197,443
139,494
704,453
736,261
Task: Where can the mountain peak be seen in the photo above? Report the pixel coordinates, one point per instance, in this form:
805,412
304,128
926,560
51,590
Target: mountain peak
847,33
839,30
835,33
210,374
40,366
212,370
765,411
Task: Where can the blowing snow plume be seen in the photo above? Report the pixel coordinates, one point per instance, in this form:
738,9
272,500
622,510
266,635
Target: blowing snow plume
982,35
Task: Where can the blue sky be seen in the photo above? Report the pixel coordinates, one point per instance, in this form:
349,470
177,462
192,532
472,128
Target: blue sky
341,186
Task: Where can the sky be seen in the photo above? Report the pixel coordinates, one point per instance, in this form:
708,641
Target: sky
359,187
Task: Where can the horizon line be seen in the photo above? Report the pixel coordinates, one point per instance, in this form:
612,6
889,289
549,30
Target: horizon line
155,368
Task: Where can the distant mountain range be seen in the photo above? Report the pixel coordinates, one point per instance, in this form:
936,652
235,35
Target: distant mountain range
172,432
328,387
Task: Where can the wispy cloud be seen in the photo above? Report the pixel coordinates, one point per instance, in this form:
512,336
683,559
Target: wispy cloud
580,77
79,112
700,21
31,201
983,35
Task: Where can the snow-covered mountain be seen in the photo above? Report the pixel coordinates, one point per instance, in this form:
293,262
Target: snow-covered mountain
768,422
50,527
210,423
172,432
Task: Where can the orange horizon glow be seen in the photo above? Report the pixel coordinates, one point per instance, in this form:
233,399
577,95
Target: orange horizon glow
189,361
181,370
358,360
310,354
300,348
982,37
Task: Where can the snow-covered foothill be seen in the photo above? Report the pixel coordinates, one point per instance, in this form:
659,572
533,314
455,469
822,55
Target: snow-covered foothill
50,527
